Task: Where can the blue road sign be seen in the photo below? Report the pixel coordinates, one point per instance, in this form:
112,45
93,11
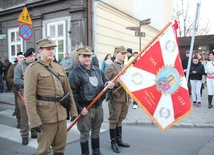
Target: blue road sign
25,31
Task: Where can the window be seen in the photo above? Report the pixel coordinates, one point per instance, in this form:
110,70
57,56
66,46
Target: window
56,31
15,43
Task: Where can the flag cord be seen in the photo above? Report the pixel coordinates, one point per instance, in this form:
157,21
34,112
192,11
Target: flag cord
120,73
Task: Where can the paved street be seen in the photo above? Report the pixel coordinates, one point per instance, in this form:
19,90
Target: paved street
198,118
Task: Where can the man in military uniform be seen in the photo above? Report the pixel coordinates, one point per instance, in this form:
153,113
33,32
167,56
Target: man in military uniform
10,77
86,82
46,87
19,82
118,101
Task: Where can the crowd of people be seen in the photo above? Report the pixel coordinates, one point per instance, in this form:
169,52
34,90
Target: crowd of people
48,92
201,74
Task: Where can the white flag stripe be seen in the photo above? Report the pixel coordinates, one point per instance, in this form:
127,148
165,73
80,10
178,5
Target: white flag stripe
137,79
184,83
169,47
164,113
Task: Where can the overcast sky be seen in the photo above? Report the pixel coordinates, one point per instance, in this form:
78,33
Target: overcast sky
206,12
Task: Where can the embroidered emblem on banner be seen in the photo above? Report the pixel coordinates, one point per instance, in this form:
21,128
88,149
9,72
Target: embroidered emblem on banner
168,80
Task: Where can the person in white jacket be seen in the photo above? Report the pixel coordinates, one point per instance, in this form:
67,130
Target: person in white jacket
209,70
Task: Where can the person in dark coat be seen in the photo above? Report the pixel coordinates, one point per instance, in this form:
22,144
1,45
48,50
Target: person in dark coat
7,65
196,73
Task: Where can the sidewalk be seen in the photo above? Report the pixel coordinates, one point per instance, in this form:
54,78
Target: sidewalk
198,117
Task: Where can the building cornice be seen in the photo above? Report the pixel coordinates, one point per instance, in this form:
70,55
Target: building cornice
28,4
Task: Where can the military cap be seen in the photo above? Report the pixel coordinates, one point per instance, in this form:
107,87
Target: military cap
84,51
46,42
119,49
29,52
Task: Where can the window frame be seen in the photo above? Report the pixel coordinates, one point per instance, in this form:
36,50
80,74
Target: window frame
17,41
65,37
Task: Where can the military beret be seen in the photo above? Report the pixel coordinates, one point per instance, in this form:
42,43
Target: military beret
129,50
29,52
46,42
19,53
84,51
119,49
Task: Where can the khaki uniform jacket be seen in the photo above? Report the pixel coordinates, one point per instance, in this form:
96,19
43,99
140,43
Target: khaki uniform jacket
10,76
111,71
40,81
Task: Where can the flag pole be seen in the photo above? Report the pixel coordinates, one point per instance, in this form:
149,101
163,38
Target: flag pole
120,73
192,42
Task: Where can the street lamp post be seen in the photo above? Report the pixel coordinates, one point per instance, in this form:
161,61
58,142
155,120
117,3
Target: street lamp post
137,30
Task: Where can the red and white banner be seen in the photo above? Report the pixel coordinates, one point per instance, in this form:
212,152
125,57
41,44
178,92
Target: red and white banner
157,82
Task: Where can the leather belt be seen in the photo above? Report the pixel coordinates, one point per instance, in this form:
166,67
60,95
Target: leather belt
44,98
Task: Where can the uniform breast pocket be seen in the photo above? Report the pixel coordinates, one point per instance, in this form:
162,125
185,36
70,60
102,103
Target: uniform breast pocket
44,75
61,74
45,80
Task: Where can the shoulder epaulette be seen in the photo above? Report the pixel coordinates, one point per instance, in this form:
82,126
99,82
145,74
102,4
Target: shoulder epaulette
30,65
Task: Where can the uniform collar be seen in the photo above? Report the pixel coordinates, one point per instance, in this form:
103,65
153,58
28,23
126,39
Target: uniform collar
49,64
118,63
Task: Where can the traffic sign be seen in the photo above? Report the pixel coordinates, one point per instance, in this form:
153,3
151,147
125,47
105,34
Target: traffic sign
25,31
140,34
145,22
135,28
24,17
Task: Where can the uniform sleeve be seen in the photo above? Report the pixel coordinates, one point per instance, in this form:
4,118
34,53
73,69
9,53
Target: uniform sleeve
104,78
18,77
67,89
75,85
10,75
109,73
30,89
